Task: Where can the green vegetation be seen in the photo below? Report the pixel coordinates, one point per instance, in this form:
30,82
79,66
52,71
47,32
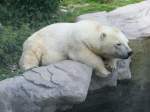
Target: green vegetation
16,12
25,17
78,7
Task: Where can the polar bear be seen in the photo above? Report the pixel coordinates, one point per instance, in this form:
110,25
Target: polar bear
85,41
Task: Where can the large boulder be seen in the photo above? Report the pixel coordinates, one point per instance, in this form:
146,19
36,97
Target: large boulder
46,89
121,73
133,20
50,88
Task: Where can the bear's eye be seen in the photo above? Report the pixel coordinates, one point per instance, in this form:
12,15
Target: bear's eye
102,36
118,44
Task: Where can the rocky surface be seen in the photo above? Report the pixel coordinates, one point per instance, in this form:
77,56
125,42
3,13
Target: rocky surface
49,88
46,89
133,20
129,95
121,73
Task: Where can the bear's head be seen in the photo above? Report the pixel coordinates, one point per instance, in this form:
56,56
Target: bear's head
114,43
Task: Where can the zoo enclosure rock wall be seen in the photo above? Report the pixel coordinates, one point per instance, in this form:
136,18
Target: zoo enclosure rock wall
49,88
133,19
46,89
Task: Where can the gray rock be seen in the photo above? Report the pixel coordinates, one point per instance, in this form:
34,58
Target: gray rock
46,89
98,83
49,88
132,19
122,72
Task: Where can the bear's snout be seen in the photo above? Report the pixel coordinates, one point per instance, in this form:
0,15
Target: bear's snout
130,53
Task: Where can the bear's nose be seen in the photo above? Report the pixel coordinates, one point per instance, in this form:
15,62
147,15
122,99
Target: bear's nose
130,53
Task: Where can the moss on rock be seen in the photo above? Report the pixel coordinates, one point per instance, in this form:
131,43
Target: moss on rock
140,65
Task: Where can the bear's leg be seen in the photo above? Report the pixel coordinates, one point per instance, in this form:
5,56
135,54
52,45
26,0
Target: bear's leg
28,60
85,56
52,57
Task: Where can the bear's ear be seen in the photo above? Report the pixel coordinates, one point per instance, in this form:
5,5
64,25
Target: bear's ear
103,36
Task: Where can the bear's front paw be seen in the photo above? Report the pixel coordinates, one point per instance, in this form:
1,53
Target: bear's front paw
102,74
112,65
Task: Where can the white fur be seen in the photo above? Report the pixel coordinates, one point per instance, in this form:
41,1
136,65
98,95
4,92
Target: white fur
77,41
